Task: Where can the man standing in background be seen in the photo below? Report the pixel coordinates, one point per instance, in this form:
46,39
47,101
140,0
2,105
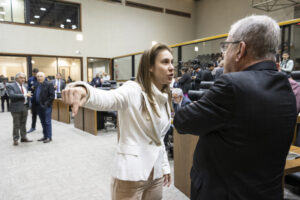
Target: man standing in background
19,103
4,93
43,97
59,85
32,82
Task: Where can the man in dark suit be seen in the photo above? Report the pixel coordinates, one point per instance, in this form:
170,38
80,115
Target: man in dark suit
206,73
198,77
32,82
246,120
43,96
59,85
19,103
97,82
178,99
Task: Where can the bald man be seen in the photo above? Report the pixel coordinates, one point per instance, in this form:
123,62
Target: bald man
43,97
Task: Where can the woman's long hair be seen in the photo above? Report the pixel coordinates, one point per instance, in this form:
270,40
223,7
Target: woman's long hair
144,76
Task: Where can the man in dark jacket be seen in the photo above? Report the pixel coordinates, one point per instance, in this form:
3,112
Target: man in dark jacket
43,97
32,82
185,81
246,120
19,104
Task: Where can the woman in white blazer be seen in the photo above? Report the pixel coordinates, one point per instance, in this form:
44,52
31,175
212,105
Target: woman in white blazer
141,167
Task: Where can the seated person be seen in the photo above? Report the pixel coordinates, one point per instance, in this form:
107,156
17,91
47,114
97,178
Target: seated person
178,101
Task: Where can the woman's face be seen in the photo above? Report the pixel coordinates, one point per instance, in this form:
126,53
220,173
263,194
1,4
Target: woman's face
163,69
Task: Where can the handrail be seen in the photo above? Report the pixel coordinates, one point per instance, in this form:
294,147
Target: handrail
292,21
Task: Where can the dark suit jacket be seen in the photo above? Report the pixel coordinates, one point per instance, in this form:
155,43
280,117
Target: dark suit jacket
246,123
185,101
16,97
206,75
47,94
185,83
96,82
219,72
62,84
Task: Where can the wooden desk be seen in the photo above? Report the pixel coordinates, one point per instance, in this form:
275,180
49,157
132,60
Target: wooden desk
78,119
87,120
64,112
292,166
55,111
60,111
184,147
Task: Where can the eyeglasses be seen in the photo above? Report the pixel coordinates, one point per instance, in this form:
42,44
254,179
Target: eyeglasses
224,45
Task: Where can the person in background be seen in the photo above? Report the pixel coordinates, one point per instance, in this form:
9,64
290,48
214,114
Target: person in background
59,84
185,81
197,78
19,104
144,114
43,97
245,121
32,83
97,81
206,73
220,70
178,99
69,79
4,94
106,77
286,65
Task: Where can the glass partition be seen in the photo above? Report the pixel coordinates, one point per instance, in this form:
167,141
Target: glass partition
11,65
70,68
122,68
48,65
18,11
137,59
97,65
295,46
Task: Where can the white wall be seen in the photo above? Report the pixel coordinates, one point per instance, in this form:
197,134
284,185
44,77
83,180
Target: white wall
214,17
109,30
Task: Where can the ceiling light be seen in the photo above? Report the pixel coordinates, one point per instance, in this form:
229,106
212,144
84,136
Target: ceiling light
79,37
196,48
31,22
62,26
32,61
74,26
1,19
43,9
91,59
2,13
36,16
68,20
154,43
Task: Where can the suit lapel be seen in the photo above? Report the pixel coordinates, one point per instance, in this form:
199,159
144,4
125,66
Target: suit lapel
156,136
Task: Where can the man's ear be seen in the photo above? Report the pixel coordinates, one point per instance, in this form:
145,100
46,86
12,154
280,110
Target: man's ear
241,51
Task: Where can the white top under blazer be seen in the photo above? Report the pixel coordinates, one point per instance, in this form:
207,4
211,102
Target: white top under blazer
141,147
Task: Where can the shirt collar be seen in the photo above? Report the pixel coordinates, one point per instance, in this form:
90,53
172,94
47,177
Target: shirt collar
161,97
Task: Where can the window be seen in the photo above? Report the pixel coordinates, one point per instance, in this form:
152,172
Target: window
47,13
97,65
12,11
11,65
122,68
54,14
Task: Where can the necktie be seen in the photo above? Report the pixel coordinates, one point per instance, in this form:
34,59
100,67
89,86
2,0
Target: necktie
22,89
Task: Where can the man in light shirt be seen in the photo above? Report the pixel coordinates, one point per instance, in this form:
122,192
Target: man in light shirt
19,104
286,65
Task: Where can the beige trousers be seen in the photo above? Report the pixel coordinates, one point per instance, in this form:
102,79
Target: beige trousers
137,190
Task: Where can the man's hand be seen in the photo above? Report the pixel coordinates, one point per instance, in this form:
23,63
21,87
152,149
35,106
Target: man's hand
167,180
75,97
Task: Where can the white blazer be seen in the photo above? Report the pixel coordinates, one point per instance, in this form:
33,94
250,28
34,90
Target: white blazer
141,147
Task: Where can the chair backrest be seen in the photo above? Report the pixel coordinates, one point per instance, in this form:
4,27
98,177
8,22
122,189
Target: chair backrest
296,75
195,95
206,84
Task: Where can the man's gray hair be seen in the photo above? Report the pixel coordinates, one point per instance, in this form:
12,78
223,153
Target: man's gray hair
177,91
41,73
19,74
260,33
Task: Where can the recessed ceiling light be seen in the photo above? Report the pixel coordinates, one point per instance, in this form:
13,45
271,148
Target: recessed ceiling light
32,61
196,48
1,19
32,22
79,37
68,20
91,59
36,16
43,9
74,26
62,26
2,13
